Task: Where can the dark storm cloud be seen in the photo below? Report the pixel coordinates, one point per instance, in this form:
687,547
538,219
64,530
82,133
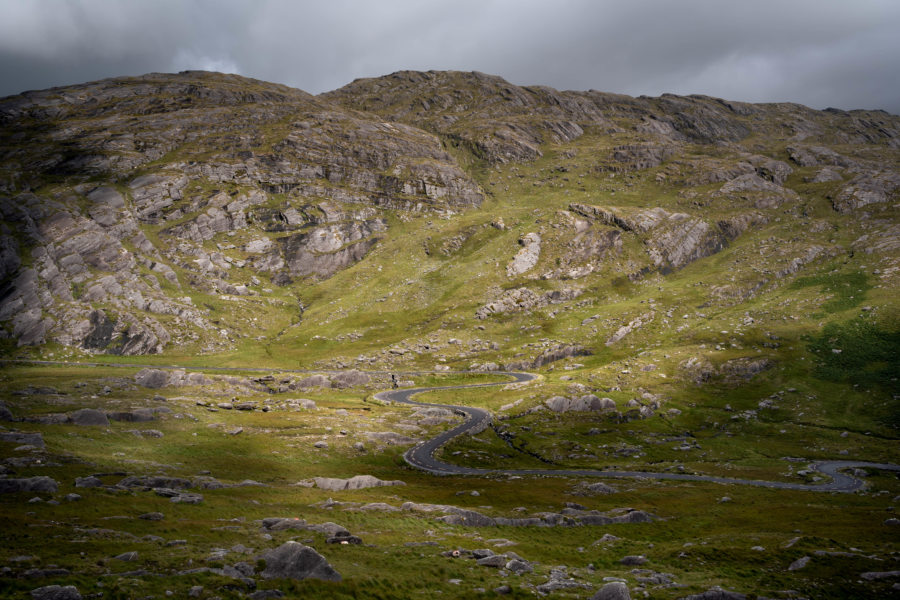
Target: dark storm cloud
817,52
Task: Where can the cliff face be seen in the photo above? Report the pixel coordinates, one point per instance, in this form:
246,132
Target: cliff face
133,208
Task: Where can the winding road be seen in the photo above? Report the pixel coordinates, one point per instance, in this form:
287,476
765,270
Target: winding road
422,457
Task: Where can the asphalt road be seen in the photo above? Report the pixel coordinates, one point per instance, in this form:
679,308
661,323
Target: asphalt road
422,457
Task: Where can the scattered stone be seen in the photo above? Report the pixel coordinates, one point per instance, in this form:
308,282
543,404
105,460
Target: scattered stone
293,560
72,497
320,444
632,560
56,592
503,590
152,516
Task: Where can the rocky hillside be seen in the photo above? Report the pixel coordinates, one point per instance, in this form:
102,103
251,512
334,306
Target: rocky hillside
208,213
124,197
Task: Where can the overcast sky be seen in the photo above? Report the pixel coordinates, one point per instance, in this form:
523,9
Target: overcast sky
841,53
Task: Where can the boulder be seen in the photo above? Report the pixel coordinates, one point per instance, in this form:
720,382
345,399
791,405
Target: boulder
614,590
5,414
293,560
152,378
357,482
89,417
56,592
497,561
29,484
349,379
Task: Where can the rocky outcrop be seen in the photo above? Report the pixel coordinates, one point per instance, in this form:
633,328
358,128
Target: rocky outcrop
324,250
523,300
526,258
866,189
586,403
357,482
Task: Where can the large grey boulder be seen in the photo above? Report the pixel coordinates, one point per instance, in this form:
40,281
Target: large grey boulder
614,590
56,592
293,560
349,379
152,378
28,484
89,416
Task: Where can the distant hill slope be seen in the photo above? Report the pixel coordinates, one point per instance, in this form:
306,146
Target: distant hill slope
208,213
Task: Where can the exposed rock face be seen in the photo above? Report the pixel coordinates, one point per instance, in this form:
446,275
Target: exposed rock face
673,240
293,560
526,258
325,250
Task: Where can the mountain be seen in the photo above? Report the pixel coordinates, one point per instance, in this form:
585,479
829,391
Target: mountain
164,213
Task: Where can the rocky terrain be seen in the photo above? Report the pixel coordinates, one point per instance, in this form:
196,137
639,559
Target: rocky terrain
703,286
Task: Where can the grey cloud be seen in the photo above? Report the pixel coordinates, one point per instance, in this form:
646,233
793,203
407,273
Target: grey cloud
818,53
